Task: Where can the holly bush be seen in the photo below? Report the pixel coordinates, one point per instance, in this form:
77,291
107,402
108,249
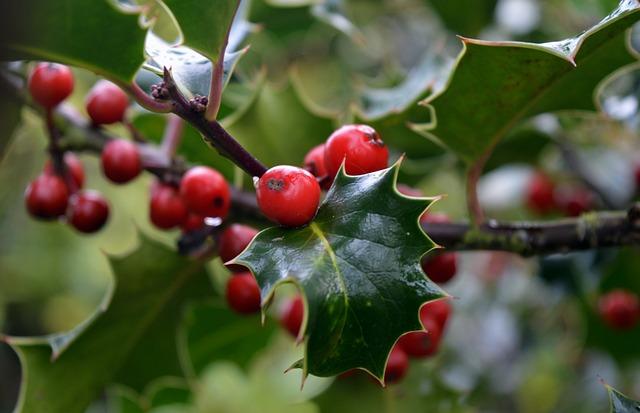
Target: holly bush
319,205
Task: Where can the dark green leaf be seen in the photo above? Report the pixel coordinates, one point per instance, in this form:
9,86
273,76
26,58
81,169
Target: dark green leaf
130,339
621,403
358,265
497,84
465,17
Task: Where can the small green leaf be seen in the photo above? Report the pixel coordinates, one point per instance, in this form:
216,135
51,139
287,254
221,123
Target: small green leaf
89,34
620,403
358,266
131,339
495,85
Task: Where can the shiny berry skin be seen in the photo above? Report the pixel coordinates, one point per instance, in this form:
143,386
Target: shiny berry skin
192,222
74,166
233,240
540,194
438,310
620,309
88,211
106,103
397,366
47,197
440,268
288,195
314,161
121,161
421,344
292,315
167,210
50,84
359,146
206,192
575,202
243,293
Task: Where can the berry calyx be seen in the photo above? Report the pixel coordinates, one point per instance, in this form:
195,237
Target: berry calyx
438,310
440,268
47,196
288,195
397,365
206,192
88,211
167,210
74,166
314,161
421,344
192,222
540,194
243,293
233,240
50,84
106,103
292,315
121,161
359,146
620,309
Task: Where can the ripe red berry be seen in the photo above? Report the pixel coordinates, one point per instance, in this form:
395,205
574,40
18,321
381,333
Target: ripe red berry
540,194
440,268
243,293
50,84
575,201
422,343
359,146
288,195
121,161
314,161
167,210
439,310
397,365
88,211
233,240
620,309
292,315
206,192
47,196
106,103
74,166
192,222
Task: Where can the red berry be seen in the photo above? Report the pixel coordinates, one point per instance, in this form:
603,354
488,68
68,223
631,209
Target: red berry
121,161
359,146
409,191
439,310
292,315
192,222
206,192
47,197
397,366
50,84
314,161
74,166
575,201
620,309
167,210
288,195
243,293
88,211
106,103
233,241
440,268
422,343
540,194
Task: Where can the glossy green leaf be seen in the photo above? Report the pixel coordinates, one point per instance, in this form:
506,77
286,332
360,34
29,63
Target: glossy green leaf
620,403
131,339
89,34
358,266
495,85
465,17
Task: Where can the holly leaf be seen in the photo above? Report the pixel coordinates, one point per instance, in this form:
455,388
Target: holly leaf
495,85
358,267
131,338
476,16
620,403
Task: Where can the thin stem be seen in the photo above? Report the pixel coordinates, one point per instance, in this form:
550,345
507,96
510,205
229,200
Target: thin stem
145,100
473,176
136,135
172,135
57,153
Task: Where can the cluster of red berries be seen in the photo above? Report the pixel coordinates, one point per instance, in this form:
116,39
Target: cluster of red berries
543,197
290,195
620,309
